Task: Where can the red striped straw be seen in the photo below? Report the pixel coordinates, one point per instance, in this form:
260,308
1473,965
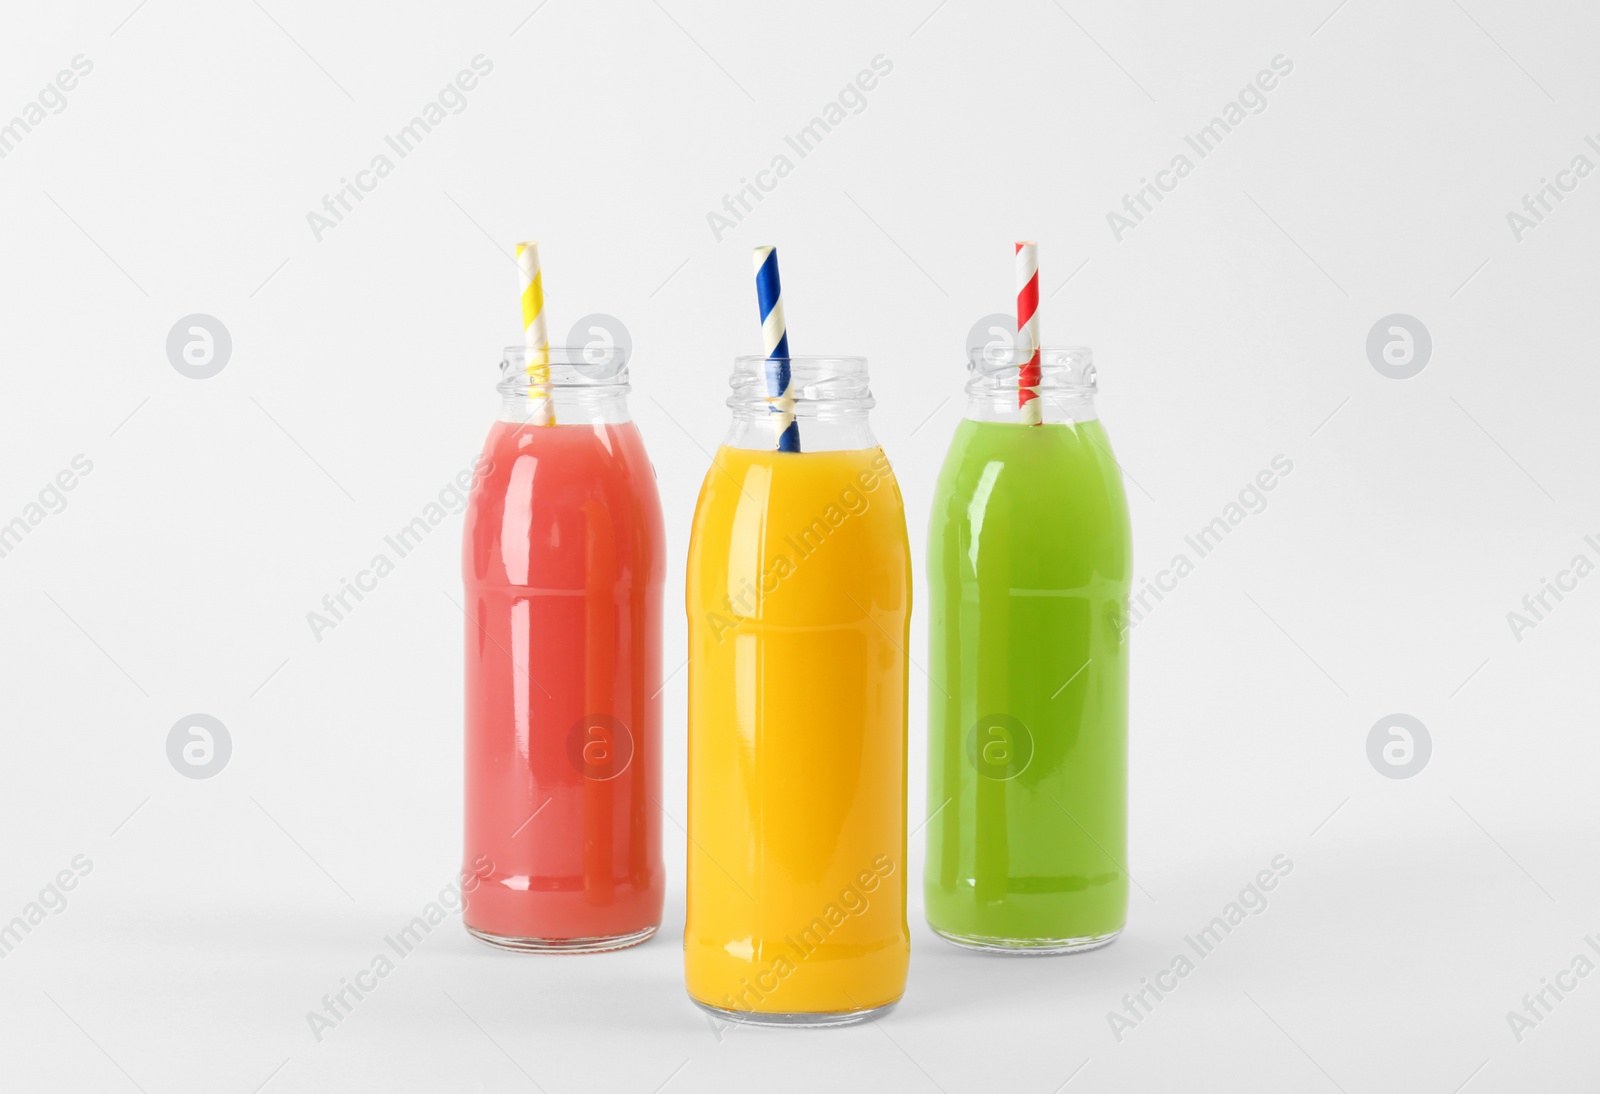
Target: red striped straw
1028,333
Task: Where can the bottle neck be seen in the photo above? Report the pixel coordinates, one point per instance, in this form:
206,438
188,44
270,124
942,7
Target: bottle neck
829,399
1055,407
821,429
569,406
1065,387
571,385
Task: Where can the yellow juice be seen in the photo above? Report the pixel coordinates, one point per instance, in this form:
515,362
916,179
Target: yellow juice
799,601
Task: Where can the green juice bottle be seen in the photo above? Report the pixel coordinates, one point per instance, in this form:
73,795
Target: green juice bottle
1029,567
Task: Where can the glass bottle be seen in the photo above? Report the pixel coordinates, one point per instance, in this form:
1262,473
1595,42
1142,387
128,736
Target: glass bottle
799,601
564,565
1029,567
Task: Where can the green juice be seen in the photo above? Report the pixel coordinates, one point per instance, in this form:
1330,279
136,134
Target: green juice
1029,566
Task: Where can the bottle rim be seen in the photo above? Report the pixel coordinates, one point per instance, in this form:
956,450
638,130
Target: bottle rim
817,383
998,367
572,368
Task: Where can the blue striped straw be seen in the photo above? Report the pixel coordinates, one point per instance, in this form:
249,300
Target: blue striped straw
775,343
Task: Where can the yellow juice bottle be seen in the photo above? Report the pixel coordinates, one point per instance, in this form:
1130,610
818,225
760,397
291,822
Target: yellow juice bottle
799,601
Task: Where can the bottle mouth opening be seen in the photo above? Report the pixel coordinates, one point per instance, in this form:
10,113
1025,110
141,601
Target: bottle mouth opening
998,366
591,368
816,384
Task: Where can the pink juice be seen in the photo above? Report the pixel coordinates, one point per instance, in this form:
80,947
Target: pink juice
564,565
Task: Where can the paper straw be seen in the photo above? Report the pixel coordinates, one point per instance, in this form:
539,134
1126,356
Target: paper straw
1028,333
775,344
542,410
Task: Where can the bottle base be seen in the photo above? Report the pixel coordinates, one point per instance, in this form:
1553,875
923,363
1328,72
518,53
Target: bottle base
796,1019
1028,947
562,945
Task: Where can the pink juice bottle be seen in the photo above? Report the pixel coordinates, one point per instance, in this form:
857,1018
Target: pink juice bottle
564,565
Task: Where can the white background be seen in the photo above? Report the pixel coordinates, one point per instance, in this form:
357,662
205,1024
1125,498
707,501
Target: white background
1228,326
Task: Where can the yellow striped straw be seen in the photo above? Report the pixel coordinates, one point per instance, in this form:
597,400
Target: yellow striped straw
542,409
